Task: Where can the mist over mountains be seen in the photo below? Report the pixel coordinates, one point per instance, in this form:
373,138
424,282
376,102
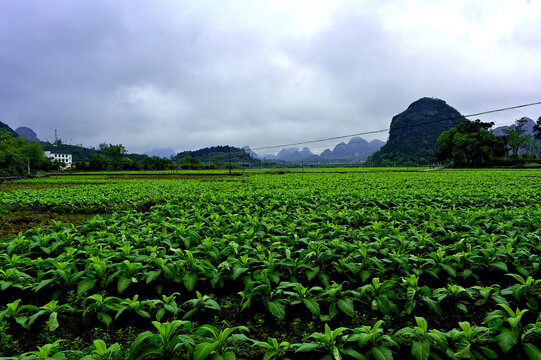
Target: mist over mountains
27,133
528,126
161,152
357,149
412,137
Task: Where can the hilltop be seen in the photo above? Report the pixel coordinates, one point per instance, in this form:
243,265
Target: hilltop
7,128
27,133
413,133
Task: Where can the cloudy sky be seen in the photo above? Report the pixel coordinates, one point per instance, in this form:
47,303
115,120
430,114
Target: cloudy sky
189,74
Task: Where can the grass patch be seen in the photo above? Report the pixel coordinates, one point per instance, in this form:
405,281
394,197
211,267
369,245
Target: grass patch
14,222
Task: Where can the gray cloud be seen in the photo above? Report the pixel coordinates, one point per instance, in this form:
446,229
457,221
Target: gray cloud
192,74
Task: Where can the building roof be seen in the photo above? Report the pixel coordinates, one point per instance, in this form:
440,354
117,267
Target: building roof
59,152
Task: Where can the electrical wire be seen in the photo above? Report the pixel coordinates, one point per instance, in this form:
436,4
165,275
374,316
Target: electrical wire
396,127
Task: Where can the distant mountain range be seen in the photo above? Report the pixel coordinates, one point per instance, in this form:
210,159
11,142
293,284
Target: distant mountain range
357,149
412,137
161,152
528,126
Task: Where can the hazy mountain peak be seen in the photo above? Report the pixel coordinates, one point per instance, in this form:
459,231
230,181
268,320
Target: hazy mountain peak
356,149
413,132
161,152
27,133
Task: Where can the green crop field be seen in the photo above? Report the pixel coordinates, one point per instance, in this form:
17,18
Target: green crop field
375,265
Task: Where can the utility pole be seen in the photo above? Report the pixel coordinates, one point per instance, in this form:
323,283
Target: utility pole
28,166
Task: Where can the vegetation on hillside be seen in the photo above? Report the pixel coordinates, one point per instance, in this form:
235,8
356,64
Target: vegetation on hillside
17,156
413,133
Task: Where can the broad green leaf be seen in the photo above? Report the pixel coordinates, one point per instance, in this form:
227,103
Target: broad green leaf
43,284
500,266
86,285
270,353
382,353
189,280
276,309
53,321
151,276
354,354
123,283
203,350
238,270
532,351
420,350
463,348
433,305
332,310
346,305
310,274
449,269
421,322
507,339
305,347
105,318
336,354
313,306
100,346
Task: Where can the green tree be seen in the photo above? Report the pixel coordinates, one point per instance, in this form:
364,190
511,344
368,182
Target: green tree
218,160
126,163
468,143
531,145
516,135
189,162
537,129
16,155
98,162
116,152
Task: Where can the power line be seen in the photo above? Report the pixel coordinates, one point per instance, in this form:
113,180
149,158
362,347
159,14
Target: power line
396,128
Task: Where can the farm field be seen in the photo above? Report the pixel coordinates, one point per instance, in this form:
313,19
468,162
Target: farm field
252,170
378,265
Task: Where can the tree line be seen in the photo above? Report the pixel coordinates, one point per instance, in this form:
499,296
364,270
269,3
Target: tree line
20,157
117,159
470,143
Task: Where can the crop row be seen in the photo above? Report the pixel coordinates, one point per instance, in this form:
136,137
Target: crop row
365,261
491,189
184,339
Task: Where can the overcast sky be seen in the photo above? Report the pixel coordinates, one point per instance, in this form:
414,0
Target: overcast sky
189,74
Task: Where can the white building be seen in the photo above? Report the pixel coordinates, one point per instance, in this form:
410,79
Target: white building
64,157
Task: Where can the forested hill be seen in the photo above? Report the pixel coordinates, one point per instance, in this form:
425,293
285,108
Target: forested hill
411,142
219,152
7,128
